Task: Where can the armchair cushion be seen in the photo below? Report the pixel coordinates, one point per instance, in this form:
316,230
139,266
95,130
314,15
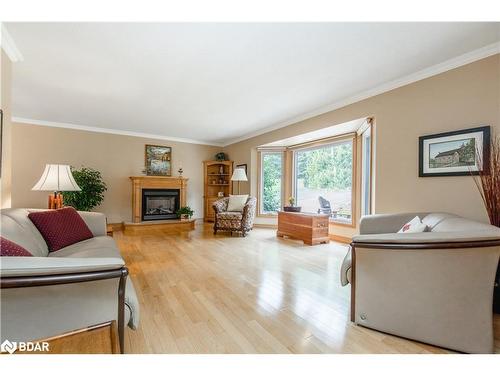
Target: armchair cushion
60,228
237,202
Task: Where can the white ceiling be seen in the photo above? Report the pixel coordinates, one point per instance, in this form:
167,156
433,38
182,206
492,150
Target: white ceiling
215,83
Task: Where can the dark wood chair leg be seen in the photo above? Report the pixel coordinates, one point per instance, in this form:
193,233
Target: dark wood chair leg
121,309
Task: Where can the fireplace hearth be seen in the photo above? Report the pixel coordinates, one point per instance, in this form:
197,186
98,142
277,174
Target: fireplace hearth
160,204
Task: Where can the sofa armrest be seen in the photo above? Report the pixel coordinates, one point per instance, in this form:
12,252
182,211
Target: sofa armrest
345,275
96,222
425,238
386,223
42,266
249,211
220,205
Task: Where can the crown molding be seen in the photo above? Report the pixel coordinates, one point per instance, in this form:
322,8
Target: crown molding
95,129
450,64
9,46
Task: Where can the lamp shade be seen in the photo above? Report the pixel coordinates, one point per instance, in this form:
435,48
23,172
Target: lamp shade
239,175
56,177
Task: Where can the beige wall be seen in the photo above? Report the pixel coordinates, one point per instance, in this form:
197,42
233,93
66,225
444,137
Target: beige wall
461,98
116,156
5,100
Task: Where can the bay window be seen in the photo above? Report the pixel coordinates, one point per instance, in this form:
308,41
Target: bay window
271,182
323,179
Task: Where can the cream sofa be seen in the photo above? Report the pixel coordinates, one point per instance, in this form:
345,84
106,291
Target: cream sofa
435,287
51,293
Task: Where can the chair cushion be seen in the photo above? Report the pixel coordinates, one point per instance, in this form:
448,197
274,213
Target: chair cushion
237,202
60,228
95,247
11,249
230,215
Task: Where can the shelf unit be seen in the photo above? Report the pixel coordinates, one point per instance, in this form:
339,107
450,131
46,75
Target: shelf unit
217,178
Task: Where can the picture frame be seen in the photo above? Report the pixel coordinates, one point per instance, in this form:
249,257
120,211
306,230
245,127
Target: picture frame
454,153
158,160
244,166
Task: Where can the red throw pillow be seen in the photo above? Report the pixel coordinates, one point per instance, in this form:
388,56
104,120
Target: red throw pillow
11,249
60,228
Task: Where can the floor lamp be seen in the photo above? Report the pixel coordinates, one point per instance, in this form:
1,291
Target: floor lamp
56,178
239,175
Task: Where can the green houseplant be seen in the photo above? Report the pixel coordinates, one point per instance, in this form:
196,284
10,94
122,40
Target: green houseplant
185,212
92,193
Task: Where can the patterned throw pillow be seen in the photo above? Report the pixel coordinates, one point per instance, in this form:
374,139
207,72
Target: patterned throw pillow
60,228
415,225
11,249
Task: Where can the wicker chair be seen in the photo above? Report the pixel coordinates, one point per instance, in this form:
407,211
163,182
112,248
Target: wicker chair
241,222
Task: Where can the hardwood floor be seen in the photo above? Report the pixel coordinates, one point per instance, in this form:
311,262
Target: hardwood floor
259,294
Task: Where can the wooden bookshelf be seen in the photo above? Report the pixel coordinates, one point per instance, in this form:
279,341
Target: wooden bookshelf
217,178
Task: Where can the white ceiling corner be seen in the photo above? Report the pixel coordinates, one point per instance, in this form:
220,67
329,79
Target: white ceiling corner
9,46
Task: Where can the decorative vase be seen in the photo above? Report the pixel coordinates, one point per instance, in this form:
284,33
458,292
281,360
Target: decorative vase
184,217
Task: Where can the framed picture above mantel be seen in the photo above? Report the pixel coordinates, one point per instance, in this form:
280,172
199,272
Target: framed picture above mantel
158,160
456,153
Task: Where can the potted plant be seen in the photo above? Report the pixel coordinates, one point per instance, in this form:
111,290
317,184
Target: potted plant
92,189
291,207
185,213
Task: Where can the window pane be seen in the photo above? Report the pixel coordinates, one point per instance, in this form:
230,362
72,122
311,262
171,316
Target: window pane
323,180
272,170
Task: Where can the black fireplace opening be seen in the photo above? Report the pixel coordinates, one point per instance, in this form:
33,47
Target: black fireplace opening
160,204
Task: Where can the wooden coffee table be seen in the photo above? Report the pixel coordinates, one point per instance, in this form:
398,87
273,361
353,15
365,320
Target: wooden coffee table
312,229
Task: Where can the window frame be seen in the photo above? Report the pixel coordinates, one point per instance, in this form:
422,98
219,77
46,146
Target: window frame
322,143
260,180
367,182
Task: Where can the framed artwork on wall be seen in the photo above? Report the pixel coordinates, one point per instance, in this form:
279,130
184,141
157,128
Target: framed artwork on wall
456,153
158,160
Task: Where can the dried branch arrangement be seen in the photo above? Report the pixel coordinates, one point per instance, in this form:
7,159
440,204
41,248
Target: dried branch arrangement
488,181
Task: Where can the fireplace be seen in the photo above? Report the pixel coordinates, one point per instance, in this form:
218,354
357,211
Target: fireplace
160,204
156,189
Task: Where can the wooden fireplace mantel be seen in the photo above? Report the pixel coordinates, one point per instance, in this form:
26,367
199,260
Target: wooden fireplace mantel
154,182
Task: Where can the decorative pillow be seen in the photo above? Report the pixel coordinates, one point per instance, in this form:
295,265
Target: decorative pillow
11,249
413,226
60,228
237,202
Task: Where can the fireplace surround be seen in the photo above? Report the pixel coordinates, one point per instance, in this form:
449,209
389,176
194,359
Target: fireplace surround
158,191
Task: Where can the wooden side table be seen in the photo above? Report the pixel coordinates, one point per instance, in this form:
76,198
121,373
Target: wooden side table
312,229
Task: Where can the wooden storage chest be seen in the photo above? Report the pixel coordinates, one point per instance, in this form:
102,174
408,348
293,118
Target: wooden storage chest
310,228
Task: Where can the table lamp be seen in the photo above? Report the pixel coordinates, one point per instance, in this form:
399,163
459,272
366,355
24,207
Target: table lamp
56,178
239,175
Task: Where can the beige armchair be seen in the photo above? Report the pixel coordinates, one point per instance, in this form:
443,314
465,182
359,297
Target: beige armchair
435,287
241,222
